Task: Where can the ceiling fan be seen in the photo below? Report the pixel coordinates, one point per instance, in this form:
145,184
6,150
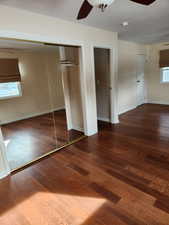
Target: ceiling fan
88,5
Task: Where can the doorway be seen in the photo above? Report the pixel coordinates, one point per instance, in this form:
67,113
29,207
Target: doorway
102,80
140,80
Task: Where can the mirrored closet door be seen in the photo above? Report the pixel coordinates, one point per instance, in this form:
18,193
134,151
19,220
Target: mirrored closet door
40,99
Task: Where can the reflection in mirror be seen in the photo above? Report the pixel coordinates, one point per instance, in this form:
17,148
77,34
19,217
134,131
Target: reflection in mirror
40,99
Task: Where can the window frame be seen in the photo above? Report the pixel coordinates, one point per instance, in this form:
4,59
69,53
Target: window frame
161,76
14,96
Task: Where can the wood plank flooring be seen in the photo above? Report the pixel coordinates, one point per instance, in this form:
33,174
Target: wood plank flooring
30,138
118,177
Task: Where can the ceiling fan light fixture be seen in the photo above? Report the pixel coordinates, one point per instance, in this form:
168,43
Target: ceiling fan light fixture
100,2
125,24
88,5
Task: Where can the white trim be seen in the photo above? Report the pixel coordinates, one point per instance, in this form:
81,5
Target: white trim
164,82
161,76
10,97
114,85
4,164
78,128
159,102
103,119
127,109
146,102
82,88
31,116
87,78
4,174
38,38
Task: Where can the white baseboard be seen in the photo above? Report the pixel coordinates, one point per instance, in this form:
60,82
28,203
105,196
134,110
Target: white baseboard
78,128
127,109
145,101
113,121
4,174
103,119
31,116
159,102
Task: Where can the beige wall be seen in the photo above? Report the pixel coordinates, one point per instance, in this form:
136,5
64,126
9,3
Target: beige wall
127,70
41,87
157,92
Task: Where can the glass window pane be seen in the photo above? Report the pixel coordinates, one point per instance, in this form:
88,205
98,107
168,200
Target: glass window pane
165,77
9,89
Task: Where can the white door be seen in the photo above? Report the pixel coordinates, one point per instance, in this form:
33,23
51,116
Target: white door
140,83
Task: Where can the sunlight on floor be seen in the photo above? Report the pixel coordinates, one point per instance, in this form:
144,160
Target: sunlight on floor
55,208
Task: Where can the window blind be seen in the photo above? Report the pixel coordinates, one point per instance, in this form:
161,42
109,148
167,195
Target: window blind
164,58
9,71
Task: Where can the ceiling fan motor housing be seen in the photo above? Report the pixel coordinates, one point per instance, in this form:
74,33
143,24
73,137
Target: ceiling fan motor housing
88,5
101,3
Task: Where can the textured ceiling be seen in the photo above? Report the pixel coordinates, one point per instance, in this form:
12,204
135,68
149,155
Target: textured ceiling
147,24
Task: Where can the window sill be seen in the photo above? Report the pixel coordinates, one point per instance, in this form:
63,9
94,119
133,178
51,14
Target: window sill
10,97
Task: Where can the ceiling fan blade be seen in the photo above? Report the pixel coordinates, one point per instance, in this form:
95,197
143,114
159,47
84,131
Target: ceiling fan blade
144,2
84,10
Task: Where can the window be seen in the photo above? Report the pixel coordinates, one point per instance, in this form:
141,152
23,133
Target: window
10,90
10,78
165,75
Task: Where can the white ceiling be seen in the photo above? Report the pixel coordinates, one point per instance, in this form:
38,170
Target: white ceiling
147,24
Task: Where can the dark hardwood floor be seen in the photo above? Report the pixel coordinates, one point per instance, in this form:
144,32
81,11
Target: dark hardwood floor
30,138
118,177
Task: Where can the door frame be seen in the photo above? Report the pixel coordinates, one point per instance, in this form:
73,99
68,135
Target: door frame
114,115
5,170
